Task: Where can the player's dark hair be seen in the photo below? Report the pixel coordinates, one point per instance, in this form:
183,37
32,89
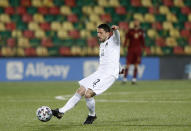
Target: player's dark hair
105,27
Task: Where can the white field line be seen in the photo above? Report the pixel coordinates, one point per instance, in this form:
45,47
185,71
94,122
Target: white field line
24,100
100,100
136,100
142,92
128,100
127,93
140,101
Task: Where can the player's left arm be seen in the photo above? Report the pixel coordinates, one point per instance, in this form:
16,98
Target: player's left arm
116,33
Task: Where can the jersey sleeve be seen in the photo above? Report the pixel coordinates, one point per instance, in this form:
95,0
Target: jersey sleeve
116,36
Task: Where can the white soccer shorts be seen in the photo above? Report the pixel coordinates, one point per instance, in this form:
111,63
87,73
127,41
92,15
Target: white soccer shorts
97,82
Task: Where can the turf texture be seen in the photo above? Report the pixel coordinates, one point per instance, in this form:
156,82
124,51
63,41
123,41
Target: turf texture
163,105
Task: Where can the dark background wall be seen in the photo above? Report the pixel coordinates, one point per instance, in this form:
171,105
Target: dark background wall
175,67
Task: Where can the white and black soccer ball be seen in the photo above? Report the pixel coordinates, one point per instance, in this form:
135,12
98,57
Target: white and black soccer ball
44,113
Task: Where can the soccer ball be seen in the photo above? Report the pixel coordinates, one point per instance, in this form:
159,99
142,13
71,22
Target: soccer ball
44,113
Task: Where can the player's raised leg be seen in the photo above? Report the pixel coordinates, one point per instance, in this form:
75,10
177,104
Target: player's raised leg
70,104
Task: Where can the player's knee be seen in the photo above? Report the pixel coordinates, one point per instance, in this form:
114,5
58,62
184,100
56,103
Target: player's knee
81,91
89,94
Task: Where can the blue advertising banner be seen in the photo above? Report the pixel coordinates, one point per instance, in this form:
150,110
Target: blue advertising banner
149,69
64,69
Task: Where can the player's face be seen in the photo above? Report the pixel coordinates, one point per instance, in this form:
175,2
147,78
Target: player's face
102,34
136,23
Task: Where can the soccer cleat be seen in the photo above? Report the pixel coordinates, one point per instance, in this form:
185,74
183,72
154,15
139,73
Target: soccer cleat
122,71
57,114
124,80
133,82
90,119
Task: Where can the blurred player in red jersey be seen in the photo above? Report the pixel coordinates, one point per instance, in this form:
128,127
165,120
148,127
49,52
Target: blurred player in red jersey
134,40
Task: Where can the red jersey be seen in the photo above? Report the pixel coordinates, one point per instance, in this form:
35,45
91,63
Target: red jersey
136,39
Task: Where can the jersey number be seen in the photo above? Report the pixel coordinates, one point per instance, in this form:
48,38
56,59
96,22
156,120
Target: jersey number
95,82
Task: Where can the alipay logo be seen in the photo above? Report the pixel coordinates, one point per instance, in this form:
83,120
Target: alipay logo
14,70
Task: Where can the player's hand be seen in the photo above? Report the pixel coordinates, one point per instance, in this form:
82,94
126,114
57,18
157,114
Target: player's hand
114,27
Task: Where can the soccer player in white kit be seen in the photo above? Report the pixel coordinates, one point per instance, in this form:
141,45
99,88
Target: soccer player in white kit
103,78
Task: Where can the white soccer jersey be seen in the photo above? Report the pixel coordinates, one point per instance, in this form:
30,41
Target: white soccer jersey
108,70
109,55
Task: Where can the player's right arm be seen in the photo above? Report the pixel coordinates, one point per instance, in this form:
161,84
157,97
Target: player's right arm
116,33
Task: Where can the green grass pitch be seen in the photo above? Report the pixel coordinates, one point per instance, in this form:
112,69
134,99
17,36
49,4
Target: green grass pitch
148,106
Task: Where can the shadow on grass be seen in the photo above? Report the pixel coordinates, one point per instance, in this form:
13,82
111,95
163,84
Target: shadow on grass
101,124
127,123
145,125
72,126
137,120
54,127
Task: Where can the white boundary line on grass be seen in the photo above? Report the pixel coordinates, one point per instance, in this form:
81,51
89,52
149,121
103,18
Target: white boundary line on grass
127,101
136,100
101,101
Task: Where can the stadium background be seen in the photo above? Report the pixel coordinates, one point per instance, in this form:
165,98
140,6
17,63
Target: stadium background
54,41
50,29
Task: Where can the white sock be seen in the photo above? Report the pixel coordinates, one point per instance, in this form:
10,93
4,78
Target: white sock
124,79
90,102
71,103
134,80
